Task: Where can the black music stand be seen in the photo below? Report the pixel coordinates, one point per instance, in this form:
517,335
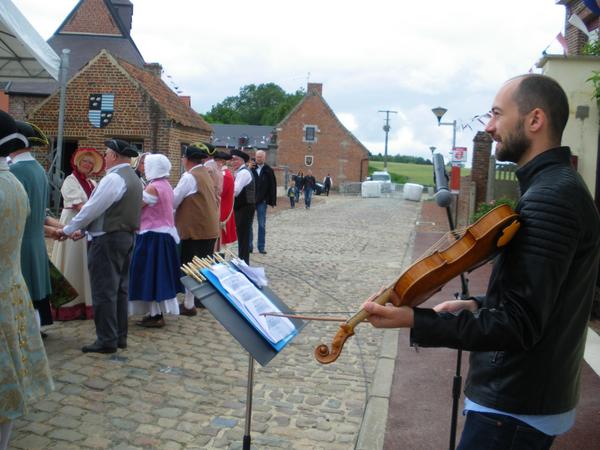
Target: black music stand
247,336
464,294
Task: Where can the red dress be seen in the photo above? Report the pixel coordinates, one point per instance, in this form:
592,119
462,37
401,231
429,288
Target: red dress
228,234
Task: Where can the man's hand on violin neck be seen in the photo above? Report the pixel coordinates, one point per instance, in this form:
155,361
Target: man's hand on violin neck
389,316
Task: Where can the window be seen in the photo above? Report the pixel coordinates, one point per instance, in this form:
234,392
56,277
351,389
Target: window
138,145
183,146
310,133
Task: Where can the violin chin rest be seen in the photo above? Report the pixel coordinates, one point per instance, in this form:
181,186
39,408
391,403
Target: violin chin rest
508,233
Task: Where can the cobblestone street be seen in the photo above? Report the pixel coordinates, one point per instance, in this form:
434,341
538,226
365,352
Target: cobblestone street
184,386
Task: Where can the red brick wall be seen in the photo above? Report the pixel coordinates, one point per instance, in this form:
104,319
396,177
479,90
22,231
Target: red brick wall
335,151
482,147
20,105
575,38
92,17
137,117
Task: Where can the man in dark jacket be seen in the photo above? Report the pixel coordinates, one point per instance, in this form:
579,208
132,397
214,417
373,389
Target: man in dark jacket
266,195
527,334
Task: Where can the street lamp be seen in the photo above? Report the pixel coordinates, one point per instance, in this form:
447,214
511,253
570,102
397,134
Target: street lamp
439,113
455,174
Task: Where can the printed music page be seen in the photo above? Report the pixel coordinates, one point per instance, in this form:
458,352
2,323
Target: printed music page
253,303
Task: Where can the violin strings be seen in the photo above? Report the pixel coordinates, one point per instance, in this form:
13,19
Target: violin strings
444,242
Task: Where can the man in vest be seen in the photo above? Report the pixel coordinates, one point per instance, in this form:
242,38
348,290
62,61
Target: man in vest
243,207
111,216
196,215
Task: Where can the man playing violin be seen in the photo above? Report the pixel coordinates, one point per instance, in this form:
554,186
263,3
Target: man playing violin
527,334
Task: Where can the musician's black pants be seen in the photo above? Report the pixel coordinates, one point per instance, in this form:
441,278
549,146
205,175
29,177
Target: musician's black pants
499,432
243,221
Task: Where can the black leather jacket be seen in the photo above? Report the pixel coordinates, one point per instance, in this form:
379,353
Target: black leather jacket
528,336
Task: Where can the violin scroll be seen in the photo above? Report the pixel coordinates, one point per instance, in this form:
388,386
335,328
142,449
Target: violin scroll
326,356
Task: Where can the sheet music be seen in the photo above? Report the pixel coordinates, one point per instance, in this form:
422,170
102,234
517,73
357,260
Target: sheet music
251,301
256,274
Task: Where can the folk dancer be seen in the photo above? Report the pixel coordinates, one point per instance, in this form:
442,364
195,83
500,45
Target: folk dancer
34,256
24,370
111,217
244,192
154,280
196,215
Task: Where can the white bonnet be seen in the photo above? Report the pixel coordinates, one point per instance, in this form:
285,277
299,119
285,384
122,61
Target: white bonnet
156,165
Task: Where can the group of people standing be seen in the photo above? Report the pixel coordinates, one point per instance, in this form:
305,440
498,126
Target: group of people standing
306,184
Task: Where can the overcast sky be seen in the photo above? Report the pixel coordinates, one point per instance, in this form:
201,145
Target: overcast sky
370,56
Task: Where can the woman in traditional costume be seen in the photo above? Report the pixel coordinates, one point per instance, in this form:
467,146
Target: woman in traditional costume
24,367
154,272
70,257
227,219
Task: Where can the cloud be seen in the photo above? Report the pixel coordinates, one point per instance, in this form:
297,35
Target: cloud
369,57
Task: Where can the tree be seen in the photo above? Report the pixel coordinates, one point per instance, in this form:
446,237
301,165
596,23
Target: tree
265,104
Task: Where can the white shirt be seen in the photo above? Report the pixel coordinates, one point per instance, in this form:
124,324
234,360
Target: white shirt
243,178
25,156
259,169
110,190
185,187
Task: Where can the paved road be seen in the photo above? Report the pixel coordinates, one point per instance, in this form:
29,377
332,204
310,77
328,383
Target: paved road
184,386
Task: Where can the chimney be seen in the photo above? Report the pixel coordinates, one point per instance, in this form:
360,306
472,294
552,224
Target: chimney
315,89
154,68
124,10
186,99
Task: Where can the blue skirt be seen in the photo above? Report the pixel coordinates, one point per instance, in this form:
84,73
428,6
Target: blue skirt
154,271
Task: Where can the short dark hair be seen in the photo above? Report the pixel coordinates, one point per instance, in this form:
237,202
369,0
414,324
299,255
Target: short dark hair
541,91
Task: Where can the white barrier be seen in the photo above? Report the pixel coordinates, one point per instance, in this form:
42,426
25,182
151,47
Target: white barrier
413,192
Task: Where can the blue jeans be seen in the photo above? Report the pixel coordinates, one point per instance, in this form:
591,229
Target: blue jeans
261,216
297,192
500,432
307,197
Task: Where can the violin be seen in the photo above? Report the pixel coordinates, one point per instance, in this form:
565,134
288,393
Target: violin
477,244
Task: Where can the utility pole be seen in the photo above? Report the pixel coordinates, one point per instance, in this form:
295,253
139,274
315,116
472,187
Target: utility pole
386,128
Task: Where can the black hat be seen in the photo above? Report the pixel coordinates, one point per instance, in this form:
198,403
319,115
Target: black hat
10,138
222,155
121,147
34,135
195,153
245,156
207,148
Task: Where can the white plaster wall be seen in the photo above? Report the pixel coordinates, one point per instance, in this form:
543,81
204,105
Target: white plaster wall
580,134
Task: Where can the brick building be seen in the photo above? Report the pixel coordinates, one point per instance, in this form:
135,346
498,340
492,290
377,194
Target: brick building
91,26
143,110
312,137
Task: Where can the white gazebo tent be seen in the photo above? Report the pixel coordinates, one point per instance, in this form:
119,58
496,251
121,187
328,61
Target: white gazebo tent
25,56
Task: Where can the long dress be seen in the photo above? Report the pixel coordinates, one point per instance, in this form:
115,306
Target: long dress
154,271
34,256
70,257
24,371
228,234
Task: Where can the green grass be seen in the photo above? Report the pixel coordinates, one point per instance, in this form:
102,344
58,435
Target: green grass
410,173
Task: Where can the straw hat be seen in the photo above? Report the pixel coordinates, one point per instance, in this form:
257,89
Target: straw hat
92,152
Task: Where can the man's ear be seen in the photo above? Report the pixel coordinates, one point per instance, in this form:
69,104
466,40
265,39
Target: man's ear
536,120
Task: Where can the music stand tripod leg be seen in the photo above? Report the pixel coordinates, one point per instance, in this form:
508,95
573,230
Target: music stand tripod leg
247,425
